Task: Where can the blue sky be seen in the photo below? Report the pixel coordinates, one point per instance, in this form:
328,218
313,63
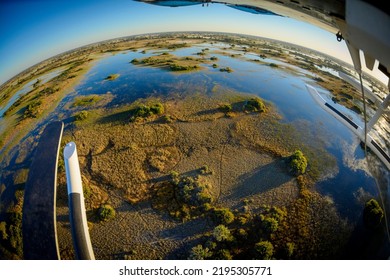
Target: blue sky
32,31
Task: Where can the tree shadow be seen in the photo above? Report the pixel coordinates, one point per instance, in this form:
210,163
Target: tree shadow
190,173
186,231
367,244
207,112
121,117
262,179
8,197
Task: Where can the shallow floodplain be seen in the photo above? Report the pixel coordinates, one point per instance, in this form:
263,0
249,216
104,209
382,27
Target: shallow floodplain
166,137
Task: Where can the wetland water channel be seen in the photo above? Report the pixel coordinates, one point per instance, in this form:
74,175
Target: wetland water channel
284,88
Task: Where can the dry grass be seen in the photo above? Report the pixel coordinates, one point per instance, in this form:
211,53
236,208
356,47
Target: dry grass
129,164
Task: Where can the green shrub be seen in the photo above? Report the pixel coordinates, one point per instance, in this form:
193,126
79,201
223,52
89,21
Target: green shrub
298,163
106,212
134,61
206,170
175,177
168,118
223,216
242,220
242,233
254,105
226,108
213,58
87,191
373,214
222,233
226,69
192,192
157,109
265,250
144,111
269,224
206,207
80,116
203,198
199,253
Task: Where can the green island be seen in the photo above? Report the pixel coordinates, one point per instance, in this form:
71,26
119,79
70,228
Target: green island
171,62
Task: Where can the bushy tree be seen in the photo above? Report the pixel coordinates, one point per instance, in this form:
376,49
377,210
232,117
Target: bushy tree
270,224
254,105
223,216
199,253
193,192
222,233
298,163
106,212
226,108
264,250
157,109
81,116
144,111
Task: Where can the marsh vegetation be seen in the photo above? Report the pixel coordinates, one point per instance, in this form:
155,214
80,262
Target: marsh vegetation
202,170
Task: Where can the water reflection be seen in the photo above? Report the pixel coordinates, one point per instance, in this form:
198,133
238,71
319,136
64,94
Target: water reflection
285,88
